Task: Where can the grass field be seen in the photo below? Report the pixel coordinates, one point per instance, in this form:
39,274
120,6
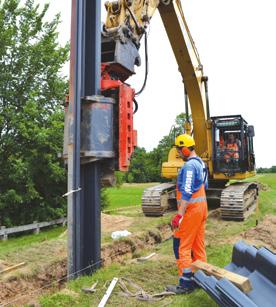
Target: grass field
152,275
127,195
15,244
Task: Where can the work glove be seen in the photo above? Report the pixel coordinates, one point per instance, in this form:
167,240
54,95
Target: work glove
176,221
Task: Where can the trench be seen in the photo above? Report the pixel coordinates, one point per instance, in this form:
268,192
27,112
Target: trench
19,290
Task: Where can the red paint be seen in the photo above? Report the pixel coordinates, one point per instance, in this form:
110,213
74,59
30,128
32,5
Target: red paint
127,142
127,135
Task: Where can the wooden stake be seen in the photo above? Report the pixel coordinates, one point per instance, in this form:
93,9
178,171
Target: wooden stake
241,282
257,211
12,268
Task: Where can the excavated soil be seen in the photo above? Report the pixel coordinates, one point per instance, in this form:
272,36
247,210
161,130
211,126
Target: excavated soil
264,187
24,289
264,234
118,251
115,222
18,289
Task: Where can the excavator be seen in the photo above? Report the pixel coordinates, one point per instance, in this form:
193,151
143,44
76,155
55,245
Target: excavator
126,24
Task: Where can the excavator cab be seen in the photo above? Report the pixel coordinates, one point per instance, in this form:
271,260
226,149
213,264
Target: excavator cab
233,151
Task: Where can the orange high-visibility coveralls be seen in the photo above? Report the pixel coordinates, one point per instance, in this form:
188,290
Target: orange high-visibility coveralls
189,244
233,151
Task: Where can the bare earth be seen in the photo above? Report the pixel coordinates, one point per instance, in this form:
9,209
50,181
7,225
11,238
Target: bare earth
112,223
264,234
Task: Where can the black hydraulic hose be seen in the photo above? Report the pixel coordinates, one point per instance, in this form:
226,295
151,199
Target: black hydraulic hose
146,72
136,105
205,80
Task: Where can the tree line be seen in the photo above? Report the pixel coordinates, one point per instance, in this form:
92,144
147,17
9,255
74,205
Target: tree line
265,170
146,166
32,89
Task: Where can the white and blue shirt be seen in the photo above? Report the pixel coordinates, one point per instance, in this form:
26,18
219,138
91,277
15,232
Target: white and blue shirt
191,176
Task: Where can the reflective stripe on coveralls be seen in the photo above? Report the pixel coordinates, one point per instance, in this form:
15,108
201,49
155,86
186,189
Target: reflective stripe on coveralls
189,239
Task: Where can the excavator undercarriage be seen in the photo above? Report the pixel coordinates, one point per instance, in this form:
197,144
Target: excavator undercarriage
159,199
236,201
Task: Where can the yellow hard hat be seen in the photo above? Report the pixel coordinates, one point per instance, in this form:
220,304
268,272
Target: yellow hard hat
184,140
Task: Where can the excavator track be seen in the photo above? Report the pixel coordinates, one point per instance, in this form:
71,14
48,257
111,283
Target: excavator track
159,199
238,200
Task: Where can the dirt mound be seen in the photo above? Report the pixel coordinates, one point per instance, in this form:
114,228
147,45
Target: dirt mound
263,187
17,289
115,222
214,214
264,234
119,250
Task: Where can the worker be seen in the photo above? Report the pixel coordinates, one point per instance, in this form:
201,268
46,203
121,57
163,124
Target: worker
189,223
232,149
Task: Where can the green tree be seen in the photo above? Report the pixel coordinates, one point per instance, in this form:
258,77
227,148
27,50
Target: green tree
179,123
137,169
160,154
32,178
146,166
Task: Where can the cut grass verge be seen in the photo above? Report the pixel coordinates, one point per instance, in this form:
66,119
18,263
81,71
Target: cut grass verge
152,276
126,195
17,244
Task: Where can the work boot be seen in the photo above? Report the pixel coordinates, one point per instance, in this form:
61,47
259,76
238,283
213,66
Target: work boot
186,283
195,285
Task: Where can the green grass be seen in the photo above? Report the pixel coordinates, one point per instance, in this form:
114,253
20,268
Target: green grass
268,197
152,276
16,244
127,195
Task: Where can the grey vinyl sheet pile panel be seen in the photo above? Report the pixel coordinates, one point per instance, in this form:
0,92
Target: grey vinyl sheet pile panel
259,265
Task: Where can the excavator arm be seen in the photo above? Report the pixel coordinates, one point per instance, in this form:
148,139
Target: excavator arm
190,68
127,22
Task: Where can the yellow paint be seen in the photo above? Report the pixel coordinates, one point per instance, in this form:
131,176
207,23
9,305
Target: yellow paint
237,176
118,14
170,169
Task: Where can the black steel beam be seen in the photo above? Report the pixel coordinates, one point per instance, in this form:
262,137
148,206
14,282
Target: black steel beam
84,205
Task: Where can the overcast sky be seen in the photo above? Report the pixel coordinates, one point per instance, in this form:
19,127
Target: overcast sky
237,45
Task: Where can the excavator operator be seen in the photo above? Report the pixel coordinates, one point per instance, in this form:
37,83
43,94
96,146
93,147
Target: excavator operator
232,149
189,223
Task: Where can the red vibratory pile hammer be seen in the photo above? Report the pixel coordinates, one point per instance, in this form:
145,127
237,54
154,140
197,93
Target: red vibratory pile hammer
107,131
